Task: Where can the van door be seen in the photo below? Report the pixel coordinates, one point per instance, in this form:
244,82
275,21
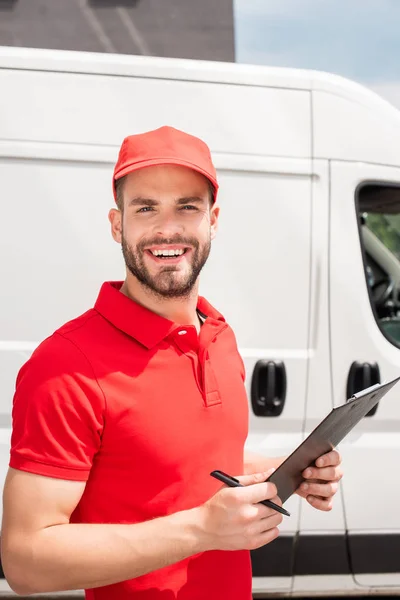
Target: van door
259,277
365,338
320,562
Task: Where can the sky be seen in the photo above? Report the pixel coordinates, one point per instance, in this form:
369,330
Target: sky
359,39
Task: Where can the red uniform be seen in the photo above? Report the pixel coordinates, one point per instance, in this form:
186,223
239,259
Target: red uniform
142,410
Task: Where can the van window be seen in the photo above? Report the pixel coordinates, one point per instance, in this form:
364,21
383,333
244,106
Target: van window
378,207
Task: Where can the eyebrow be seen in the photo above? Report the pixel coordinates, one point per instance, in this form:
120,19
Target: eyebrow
142,202
139,201
191,200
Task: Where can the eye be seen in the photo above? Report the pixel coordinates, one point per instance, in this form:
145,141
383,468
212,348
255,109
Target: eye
189,207
144,209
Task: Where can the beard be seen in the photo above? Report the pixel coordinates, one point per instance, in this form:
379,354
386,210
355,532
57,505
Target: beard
168,282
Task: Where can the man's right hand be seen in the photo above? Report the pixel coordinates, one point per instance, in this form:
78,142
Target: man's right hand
233,519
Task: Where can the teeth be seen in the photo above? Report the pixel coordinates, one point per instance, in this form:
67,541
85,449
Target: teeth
167,252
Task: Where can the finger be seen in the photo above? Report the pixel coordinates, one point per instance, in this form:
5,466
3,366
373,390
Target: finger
276,500
258,512
325,473
332,458
265,538
320,503
266,524
255,477
252,494
324,490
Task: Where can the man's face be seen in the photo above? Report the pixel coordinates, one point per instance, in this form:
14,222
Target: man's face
166,228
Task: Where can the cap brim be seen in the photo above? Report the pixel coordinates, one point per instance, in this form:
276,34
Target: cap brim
163,161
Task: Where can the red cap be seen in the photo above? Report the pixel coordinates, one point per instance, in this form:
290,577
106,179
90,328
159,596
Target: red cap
164,146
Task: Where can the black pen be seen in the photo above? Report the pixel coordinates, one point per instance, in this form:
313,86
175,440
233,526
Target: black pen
232,482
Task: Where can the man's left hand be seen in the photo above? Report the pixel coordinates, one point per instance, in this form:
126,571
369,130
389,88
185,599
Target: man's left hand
322,481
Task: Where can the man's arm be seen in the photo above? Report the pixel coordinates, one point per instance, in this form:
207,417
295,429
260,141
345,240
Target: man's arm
43,549
43,552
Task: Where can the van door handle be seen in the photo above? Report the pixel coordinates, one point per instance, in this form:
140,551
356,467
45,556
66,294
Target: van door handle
361,376
268,388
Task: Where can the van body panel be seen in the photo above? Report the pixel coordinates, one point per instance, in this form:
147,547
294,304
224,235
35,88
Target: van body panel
319,400
347,129
156,102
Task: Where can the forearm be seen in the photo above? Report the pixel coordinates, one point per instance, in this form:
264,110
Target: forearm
257,463
84,556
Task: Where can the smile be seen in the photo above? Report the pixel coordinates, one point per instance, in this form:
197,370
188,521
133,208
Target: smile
168,253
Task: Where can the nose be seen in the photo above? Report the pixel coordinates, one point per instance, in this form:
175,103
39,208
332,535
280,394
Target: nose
167,224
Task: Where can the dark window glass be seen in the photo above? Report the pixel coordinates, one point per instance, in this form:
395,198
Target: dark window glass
378,207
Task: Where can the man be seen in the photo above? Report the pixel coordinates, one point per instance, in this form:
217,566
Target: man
120,416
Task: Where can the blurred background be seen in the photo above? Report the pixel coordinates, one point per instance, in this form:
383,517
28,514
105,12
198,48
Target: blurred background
357,39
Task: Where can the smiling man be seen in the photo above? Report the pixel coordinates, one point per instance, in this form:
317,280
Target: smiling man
120,416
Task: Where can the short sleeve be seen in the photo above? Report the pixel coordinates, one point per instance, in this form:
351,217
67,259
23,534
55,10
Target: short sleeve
58,412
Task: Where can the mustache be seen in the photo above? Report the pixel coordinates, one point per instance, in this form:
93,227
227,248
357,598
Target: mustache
184,241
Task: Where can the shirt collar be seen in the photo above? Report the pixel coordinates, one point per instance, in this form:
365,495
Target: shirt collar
139,322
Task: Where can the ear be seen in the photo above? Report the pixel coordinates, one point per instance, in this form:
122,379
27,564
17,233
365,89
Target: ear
214,221
115,218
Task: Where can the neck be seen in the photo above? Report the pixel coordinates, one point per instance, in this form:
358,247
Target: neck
179,310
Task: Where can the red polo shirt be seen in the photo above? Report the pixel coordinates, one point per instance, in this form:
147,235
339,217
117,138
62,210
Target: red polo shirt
142,410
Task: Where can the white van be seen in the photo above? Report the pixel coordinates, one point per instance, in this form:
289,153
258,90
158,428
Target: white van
305,266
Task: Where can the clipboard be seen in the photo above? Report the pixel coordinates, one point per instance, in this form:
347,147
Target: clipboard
326,436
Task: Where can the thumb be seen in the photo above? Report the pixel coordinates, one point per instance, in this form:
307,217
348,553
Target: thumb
255,477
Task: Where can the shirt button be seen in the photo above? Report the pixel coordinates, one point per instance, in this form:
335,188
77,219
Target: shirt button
182,332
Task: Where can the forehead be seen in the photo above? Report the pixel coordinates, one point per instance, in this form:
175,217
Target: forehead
165,179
